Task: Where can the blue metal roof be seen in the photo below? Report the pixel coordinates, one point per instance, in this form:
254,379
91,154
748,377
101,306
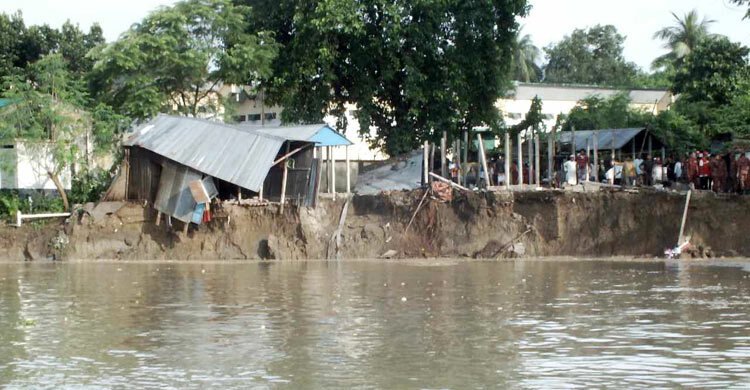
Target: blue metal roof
321,134
606,138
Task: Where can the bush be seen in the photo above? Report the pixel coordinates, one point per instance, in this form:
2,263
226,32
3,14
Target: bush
89,186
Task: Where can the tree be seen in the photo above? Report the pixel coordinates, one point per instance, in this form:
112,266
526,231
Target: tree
742,3
412,68
714,72
592,56
596,112
525,57
682,38
46,115
173,60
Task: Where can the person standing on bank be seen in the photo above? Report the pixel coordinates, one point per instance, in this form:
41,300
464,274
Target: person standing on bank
582,160
718,173
570,168
647,168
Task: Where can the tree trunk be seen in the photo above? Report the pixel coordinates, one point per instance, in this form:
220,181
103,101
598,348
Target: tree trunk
60,189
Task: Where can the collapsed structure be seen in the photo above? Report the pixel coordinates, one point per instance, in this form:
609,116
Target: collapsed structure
167,156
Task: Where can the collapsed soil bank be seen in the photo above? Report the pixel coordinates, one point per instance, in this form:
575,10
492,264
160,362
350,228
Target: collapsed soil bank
480,225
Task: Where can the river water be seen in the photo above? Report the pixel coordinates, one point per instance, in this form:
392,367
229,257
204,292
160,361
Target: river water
393,325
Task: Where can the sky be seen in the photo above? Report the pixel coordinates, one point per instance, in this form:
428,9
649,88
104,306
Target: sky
548,22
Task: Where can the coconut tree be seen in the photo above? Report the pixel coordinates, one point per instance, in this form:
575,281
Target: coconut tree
525,56
682,37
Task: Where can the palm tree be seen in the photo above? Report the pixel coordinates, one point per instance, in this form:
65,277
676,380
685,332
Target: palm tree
682,37
525,55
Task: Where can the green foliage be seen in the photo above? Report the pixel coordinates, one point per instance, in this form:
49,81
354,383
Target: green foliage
413,68
9,204
660,79
176,57
715,72
596,112
682,38
525,57
89,186
21,45
592,56
533,119
742,3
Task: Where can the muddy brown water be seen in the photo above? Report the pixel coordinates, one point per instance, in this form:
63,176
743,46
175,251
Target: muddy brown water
392,325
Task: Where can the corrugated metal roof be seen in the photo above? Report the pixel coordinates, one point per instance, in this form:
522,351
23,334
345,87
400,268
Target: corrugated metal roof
606,138
574,93
322,134
237,156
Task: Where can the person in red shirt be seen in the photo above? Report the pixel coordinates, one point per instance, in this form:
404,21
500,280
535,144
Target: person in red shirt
704,170
692,170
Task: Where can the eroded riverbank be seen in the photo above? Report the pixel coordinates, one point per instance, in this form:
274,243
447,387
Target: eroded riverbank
478,225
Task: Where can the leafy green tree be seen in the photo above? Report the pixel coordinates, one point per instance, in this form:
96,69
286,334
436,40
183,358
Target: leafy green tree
714,72
592,56
174,59
596,112
46,115
682,38
525,58
412,68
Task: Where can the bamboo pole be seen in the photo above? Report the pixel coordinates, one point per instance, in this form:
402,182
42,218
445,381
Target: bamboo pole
684,218
425,163
484,160
457,158
508,157
573,140
443,154
333,173
466,153
520,160
550,158
348,172
588,150
530,148
537,162
440,178
283,182
596,156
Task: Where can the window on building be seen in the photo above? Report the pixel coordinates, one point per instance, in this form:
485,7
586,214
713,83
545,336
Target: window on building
240,118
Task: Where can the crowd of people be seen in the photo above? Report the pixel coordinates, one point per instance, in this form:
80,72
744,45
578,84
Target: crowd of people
722,173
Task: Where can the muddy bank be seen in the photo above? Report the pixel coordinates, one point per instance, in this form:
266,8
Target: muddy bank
482,225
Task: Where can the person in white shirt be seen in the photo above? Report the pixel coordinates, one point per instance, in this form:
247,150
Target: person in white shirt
571,171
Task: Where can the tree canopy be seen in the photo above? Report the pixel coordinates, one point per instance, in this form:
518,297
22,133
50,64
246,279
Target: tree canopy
590,56
173,60
411,68
526,55
21,46
682,37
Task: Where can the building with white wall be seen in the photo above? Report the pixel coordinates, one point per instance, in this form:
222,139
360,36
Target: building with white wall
561,98
24,166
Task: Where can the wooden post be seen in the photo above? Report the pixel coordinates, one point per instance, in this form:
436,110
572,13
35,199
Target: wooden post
432,157
588,151
457,158
596,156
520,160
158,218
483,159
573,140
348,172
443,154
537,162
425,163
239,194
466,155
530,148
283,182
684,218
333,173
663,154
328,169
612,146
550,158
508,157
632,143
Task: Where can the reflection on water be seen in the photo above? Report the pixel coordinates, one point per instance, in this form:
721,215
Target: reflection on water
524,324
